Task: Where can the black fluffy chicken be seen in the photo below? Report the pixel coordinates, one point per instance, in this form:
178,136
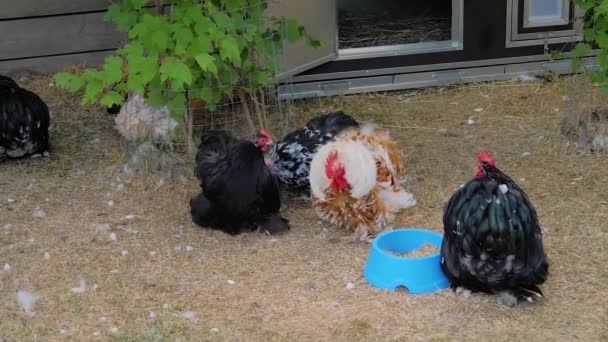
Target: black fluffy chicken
290,158
24,121
492,239
239,192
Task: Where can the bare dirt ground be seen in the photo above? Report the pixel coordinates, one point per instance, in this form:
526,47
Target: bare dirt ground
151,275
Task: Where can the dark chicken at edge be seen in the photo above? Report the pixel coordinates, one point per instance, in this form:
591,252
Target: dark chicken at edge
492,239
24,121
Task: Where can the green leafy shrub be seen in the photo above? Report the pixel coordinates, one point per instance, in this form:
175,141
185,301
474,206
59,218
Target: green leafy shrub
595,36
202,50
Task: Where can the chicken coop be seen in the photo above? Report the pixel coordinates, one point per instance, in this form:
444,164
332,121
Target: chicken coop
379,45
368,45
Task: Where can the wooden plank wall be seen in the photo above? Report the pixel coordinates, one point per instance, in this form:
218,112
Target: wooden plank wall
51,35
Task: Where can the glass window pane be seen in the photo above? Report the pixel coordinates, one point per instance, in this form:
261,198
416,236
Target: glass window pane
544,10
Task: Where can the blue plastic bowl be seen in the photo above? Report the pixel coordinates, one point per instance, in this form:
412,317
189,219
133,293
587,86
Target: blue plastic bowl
417,274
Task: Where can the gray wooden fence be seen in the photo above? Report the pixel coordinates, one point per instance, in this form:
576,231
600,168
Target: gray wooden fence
52,35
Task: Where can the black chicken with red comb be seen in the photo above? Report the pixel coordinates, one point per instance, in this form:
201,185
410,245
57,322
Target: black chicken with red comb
239,192
492,239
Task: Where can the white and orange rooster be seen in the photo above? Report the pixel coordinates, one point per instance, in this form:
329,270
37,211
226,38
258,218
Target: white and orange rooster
355,181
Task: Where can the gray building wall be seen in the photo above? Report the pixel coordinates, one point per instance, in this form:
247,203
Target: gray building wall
53,35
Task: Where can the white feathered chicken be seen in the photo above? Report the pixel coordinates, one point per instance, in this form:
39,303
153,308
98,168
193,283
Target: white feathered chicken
138,120
355,182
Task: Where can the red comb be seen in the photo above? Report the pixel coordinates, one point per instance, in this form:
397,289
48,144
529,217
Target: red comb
266,134
485,156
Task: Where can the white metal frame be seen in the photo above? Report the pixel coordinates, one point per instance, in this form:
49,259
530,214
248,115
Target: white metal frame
516,39
427,78
455,44
563,20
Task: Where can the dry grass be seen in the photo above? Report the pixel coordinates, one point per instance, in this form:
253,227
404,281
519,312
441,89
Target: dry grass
293,287
385,29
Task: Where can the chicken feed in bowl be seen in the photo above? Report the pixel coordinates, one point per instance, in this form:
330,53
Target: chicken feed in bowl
426,249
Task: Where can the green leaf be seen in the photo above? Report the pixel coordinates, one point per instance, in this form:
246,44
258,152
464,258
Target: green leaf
602,59
156,96
210,7
207,63
202,44
68,81
582,49
92,91
137,4
112,69
111,98
177,105
183,37
203,26
194,13
223,21
229,50
147,69
259,77
159,41
133,48
135,84
233,5
153,31
124,20
292,30
176,71
211,95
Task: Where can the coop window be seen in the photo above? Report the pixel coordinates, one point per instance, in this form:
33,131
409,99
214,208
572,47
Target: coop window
539,13
390,27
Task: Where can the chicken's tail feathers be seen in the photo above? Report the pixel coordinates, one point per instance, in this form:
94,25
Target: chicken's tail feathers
368,128
398,199
532,290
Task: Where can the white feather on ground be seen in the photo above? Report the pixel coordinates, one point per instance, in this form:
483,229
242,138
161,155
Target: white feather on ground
27,300
190,315
81,288
600,142
139,121
39,213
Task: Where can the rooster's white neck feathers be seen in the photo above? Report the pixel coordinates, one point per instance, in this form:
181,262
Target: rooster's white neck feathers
358,163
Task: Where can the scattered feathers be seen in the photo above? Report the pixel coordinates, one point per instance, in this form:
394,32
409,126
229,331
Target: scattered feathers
27,300
82,288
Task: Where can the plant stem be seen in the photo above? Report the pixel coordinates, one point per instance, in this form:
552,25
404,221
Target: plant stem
258,111
243,100
189,122
263,106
